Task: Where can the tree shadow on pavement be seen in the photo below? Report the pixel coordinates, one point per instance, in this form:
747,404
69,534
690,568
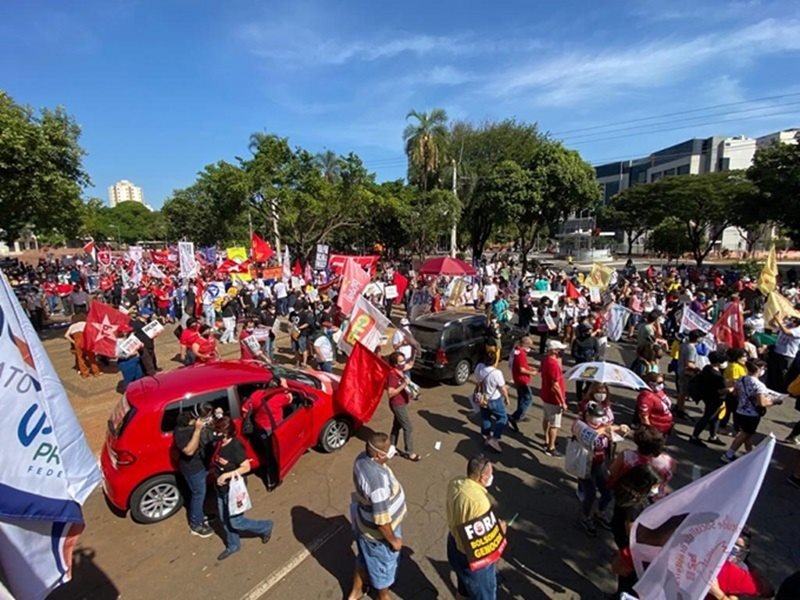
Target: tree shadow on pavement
89,582
335,554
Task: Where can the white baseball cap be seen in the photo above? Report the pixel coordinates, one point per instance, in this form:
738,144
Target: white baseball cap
554,345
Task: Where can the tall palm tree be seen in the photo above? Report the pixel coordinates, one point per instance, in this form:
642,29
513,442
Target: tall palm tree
328,162
425,144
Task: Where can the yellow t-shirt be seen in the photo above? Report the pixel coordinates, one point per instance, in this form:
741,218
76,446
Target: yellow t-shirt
466,500
734,371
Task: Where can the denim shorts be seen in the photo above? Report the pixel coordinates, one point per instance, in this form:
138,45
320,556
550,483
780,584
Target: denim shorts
378,559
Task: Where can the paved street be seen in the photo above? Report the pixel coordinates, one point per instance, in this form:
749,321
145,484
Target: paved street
311,555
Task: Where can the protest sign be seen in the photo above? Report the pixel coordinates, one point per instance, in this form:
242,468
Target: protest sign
188,263
482,540
321,257
367,325
153,329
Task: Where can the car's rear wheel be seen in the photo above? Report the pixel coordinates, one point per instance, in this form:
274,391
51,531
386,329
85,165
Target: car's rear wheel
156,499
461,372
334,435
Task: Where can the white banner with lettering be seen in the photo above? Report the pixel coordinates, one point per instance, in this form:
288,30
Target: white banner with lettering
46,467
188,263
679,543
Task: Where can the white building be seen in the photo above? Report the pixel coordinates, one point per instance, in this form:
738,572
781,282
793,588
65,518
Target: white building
124,191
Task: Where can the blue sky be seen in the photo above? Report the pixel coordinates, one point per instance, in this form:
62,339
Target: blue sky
162,88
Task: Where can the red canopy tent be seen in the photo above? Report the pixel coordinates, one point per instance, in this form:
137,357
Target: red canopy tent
444,265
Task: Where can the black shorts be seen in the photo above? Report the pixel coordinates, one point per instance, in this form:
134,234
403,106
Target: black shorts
746,423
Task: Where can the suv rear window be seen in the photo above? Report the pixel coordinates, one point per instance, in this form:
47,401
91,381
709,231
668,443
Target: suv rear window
121,415
427,337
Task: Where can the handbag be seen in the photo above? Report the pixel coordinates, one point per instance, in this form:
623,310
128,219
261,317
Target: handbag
479,399
238,496
577,459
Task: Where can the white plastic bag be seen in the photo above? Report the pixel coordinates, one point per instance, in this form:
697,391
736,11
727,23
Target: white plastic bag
238,496
576,459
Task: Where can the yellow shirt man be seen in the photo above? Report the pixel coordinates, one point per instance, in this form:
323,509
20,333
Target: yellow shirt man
466,500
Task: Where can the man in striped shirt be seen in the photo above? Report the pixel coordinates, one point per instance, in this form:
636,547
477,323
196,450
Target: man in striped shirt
378,508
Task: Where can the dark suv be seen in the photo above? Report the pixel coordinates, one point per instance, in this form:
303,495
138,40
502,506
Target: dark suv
453,343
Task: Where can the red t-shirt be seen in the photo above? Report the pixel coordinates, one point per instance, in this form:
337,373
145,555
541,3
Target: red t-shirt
657,408
267,407
551,373
734,580
395,380
188,337
520,362
206,346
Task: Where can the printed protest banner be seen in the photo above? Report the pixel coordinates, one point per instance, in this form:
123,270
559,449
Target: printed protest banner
153,329
321,257
483,540
187,260
367,325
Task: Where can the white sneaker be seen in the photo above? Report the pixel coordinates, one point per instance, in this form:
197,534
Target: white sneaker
494,444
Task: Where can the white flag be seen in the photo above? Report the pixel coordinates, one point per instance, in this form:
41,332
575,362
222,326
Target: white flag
617,318
690,321
135,253
287,266
367,325
136,272
46,467
155,271
679,543
188,263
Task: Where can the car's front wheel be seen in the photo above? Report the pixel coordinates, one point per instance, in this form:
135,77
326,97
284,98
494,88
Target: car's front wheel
461,372
156,499
334,435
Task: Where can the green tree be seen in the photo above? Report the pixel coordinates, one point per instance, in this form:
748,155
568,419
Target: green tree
430,217
705,204
776,173
41,170
635,211
425,142
669,238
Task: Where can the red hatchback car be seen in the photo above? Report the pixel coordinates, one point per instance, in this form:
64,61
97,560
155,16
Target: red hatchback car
139,459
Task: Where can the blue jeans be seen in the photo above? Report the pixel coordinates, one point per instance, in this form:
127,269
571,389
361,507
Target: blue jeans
524,401
52,303
494,411
283,306
197,490
131,369
475,585
233,525
269,346
326,366
597,481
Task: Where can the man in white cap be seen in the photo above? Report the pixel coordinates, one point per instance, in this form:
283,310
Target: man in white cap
554,394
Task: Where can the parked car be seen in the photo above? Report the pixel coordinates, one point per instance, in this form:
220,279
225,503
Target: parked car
140,461
453,342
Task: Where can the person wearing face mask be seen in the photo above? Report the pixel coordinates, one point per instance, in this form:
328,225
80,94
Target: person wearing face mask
754,399
594,432
468,499
205,345
712,389
377,512
653,406
249,345
737,577
598,392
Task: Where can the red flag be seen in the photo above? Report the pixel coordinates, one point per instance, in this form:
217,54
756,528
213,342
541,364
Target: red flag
88,249
104,257
362,384
260,249
354,280
571,291
102,323
401,283
297,269
729,328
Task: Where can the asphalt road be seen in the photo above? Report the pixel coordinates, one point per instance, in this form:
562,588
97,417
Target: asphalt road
311,554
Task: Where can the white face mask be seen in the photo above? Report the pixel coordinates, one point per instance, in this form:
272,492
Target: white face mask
489,481
594,421
723,366
658,387
600,396
389,454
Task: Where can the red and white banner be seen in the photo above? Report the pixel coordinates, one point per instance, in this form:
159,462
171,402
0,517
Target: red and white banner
680,543
354,280
89,250
336,263
156,272
729,328
367,325
102,324
104,257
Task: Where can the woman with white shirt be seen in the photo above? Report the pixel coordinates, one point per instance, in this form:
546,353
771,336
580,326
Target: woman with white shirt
754,399
491,386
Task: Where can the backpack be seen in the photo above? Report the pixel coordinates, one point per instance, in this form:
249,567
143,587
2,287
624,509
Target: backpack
696,387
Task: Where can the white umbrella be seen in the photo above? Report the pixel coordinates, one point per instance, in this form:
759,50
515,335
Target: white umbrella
606,372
